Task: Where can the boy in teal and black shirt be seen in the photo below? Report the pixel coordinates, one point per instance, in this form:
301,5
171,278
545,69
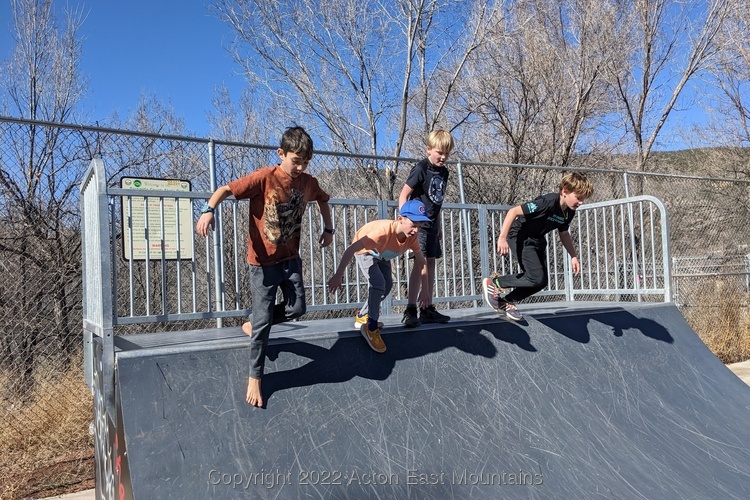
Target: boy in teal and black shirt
523,233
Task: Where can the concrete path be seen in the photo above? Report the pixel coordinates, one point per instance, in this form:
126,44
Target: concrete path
742,370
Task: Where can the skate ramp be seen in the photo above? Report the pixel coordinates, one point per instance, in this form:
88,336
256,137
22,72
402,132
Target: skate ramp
579,401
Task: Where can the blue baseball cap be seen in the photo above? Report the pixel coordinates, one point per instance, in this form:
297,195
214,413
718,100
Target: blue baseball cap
414,210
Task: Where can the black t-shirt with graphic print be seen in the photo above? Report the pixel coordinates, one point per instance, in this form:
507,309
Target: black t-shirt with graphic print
540,216
428,183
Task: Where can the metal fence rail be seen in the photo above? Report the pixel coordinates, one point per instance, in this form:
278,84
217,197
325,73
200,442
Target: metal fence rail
623,244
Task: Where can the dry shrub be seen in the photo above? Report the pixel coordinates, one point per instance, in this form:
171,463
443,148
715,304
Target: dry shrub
45,445
723,322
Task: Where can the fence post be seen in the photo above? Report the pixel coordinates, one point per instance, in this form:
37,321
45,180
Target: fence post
218,254
97,285
625,182
467,226
666,251
568,277
634,253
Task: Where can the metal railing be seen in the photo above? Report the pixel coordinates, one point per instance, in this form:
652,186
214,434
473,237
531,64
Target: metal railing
623,244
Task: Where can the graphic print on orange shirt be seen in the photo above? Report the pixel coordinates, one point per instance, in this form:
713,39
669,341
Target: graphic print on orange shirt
283,220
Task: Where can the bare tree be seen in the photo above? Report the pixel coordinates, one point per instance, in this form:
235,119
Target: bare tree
672,43
731,127
244,121
539,81
38,181
428,100
241,121
346,66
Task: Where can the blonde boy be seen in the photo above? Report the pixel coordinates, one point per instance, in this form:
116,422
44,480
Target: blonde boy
427,182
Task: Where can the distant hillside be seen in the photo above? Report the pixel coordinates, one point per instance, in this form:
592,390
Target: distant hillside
730,163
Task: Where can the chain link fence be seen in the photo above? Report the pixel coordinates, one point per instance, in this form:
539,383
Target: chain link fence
45,407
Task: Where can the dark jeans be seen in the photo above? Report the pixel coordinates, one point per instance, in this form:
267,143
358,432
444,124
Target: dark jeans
379,281
531,255
264,283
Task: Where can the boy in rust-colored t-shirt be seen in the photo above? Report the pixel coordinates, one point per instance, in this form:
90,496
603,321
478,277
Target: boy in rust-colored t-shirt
278,197
374,245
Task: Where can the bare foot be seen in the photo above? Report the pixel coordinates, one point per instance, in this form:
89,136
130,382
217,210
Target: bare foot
247,327
254,397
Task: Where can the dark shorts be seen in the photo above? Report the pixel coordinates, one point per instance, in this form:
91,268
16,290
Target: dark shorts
429,242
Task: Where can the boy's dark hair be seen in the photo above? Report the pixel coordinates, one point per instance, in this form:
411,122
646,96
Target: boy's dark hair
296,140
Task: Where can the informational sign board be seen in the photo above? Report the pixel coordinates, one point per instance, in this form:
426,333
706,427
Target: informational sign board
176,213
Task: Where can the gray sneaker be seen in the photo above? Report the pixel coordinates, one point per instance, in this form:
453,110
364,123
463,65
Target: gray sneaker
491,294
493,299
510,310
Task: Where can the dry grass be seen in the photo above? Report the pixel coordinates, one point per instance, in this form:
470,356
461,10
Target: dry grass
724,324
729,341
45,446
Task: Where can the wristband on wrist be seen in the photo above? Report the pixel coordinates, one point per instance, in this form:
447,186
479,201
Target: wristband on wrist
207,209
329,230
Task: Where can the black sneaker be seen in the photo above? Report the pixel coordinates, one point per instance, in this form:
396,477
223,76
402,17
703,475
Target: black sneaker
410,319
431,315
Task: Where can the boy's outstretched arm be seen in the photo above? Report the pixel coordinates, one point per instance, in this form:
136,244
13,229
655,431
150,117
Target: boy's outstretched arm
567,242
206,220
406,191
325,212
502,240
335,280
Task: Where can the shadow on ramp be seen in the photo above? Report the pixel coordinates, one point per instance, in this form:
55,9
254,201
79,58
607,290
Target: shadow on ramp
635,407
348,357
618,320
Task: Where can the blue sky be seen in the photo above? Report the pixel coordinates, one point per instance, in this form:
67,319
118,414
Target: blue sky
172,49
175,50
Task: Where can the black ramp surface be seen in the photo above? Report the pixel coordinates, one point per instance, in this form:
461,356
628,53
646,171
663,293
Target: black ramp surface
581,402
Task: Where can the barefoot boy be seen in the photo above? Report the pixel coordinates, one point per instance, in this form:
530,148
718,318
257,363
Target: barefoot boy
278,197
374,245
523,231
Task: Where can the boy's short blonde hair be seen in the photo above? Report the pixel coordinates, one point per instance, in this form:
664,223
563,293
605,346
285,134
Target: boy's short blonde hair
441,140
575,182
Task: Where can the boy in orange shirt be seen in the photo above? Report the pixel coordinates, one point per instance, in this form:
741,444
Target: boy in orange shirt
374,245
